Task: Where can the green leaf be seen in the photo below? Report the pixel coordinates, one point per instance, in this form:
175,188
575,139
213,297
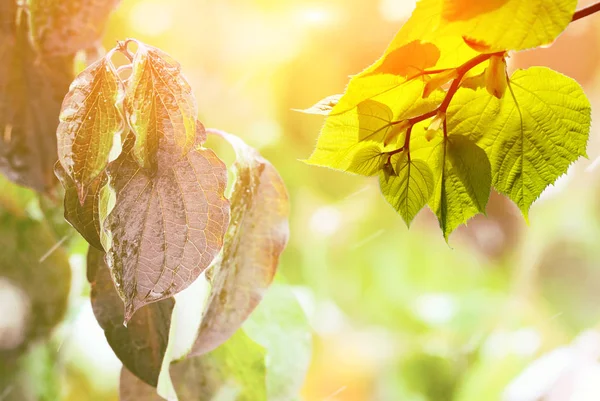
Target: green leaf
65,27
281,327
410,189
322,107
142,344
166,227
353,140
497,25
89,120
160,108
86,218
462,174
233,371
254,241
31,90
532,135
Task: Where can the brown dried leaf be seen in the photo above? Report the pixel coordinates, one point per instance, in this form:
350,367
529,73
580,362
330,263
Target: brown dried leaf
256,237
31,91
166,227
141,345
89,120
160,108
65,27
131,388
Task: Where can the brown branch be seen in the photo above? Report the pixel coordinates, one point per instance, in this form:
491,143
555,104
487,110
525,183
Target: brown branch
584,12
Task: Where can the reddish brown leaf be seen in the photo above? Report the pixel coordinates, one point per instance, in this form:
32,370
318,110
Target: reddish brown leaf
31,91
256,237
160,108
86,217
89,119
65,27
166,227
131,388
141,345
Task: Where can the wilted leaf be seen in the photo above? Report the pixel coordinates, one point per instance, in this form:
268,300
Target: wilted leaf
31,262
256,237
131,388
532,137
233,371
166,227
65,27
86,218
89,120
281,327
410,189
160,107
463,178
142,344
31,91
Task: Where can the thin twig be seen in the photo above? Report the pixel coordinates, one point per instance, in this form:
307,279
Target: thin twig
584,12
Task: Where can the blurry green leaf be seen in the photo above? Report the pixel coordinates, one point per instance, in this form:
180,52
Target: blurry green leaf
161,109
14,198
165,228
463,178
410,189
32,261
31,91
65,27
142,344
280,326
532,135
89,120
233,371
257,235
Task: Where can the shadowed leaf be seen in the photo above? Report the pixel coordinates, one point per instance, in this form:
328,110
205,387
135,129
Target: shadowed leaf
65,27
409,60
463,177
141,345
235,370
31,91
167,227
86,218
160,107
257,235
89,119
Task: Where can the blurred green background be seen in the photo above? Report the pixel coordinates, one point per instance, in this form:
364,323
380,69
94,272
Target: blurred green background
397,314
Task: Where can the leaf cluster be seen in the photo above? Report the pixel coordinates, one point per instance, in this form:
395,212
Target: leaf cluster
438,119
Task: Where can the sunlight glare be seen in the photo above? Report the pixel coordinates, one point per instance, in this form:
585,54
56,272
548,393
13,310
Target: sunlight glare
151,18
396,10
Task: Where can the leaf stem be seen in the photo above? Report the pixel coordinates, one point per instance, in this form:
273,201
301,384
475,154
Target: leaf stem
586,11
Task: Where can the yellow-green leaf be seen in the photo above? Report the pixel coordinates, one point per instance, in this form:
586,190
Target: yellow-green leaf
410,189
160,108
463,178
353,136
89,119
532,135
498,25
